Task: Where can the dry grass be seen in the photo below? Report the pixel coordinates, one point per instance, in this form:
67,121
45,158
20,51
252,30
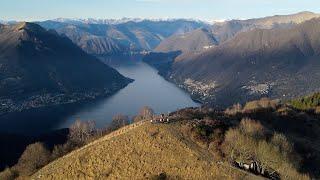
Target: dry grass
140,151
252,106
263,103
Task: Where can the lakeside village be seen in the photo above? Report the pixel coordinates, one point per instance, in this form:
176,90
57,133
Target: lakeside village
43,100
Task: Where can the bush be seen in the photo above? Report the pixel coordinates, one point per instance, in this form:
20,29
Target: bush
119,121
161,176
285,148
63,149
33,158
252,128
286,111
235,109
207,133
8,174
307,102
246,144
237,146
317,110
263,103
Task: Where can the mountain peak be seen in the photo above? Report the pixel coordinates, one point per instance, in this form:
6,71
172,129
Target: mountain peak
28,26
307,13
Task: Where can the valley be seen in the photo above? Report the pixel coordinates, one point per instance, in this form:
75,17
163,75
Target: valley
169,98
147,89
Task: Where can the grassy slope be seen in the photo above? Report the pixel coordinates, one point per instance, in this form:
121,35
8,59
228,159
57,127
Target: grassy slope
141,150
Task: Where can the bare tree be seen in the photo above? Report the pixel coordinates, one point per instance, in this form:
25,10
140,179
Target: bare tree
81,131
119,121
146,113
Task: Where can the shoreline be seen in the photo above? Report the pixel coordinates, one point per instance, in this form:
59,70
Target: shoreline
47,100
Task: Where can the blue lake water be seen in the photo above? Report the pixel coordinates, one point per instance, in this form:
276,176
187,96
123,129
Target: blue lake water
148,89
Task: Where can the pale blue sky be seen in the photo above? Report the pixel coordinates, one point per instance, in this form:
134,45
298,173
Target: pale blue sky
30,10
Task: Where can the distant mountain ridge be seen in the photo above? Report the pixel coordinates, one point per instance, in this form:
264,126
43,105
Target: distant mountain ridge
277,63
220,32
228,29
197,40
126,37
39,67
117,21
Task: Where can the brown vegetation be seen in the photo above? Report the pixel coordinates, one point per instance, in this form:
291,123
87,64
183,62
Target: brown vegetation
81,131
263,103
33,158
145,113
140,151
281,139
252,106
119,121
248,143
38,155
8,174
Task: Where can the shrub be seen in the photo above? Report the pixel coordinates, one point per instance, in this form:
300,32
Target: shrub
286,111
119,121
252,128
263,103
206,133
63,149
161,176
285,148
307,102
235,109
189,114
241,144
34,157
317,110
238,146
8,174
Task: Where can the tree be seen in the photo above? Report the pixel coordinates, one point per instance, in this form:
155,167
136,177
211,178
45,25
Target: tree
145,113
33,158
81,131
119,121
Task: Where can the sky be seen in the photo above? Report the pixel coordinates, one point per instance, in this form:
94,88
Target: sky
207,10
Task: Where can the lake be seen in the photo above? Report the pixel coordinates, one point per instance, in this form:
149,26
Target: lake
148,89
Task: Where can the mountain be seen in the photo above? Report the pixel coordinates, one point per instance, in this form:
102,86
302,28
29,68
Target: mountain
206,38
114,38
197,40
278,63
39,67
109,21
147,150
93,43
228,29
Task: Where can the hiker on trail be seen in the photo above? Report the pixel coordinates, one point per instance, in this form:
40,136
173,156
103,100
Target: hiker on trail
162,118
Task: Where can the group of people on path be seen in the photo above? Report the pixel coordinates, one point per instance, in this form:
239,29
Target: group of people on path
160,119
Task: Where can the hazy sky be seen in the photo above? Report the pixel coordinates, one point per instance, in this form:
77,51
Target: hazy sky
29,10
